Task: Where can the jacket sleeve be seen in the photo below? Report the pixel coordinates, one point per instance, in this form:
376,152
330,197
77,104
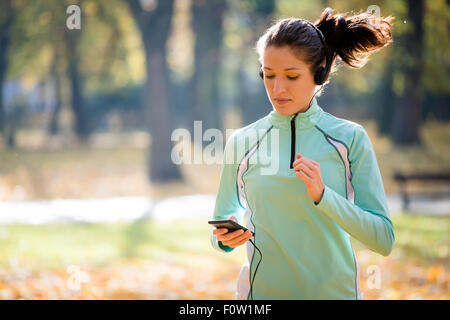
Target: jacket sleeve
227,200
367,219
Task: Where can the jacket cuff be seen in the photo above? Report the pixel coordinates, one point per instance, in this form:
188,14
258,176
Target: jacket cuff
218,245
325,198
224,247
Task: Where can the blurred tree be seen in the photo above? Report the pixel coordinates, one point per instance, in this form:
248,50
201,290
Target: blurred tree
408,114
207,26
112,63
46,50
388,99
256,15
55,78
7,17
72,40
154,20
436,76
66,62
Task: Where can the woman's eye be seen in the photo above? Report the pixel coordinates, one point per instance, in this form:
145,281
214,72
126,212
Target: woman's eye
290,78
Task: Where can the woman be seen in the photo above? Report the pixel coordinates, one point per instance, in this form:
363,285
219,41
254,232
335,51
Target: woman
328,185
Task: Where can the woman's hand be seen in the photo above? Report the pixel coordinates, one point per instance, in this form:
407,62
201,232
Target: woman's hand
232,239
309,171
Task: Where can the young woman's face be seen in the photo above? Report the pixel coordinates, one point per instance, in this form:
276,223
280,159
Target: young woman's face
289,82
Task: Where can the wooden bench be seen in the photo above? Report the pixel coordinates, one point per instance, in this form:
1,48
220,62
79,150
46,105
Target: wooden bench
403,179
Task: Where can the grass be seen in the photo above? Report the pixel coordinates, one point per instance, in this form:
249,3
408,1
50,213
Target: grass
420,237
51,246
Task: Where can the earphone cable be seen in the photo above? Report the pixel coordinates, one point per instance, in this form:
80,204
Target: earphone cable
321,87
251,283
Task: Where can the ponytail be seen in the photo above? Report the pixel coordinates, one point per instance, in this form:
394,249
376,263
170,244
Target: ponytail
354,38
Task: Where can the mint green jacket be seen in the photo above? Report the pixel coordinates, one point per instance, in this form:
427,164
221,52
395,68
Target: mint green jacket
305,246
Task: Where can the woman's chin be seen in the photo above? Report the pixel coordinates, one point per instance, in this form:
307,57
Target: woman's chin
283,111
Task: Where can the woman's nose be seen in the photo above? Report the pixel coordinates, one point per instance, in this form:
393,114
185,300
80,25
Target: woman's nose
278,87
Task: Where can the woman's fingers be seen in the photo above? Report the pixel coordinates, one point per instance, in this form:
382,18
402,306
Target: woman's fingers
306,179
230,235
220,231
235,239
309,172
304,166
309,162
240,240
234,245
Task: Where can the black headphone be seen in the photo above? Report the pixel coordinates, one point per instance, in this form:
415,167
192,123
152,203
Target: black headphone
321,72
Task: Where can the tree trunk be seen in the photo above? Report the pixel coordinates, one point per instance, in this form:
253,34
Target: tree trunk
159,104
207,19
81,126
254,103
155,26
53,128
7,15
72,38
388,97
409,111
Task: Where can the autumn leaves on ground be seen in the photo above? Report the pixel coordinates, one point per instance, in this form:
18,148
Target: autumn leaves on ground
155,260
152,259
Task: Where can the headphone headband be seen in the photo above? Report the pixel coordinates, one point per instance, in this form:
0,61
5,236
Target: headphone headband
321,36
321,72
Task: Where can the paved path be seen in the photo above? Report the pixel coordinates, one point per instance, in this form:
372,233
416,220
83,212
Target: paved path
135,208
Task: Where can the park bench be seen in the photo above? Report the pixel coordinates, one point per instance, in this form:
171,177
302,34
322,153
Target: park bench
403,179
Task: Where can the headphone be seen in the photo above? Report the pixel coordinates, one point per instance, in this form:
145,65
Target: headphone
321,72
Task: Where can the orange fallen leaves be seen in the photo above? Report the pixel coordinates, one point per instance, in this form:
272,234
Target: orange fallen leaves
210,277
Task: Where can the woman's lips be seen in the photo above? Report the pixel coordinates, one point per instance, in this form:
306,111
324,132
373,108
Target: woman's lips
282,101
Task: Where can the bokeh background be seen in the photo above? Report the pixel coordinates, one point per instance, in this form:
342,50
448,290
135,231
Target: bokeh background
91,205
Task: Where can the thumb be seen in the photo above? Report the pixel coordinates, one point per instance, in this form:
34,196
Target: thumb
233,218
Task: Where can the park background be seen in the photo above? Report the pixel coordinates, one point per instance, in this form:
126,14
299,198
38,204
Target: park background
92,207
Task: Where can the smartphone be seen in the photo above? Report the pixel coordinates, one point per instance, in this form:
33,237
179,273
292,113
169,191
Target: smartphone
229,224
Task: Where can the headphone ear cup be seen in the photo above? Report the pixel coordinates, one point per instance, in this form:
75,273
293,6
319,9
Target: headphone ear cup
261,74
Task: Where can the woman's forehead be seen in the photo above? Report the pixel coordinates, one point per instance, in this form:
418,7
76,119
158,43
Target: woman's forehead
281,58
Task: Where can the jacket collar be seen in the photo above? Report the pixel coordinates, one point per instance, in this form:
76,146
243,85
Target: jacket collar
304,119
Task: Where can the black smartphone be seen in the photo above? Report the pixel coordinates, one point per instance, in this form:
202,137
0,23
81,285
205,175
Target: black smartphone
229,224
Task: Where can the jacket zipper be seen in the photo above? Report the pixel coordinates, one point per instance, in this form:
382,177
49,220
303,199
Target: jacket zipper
293,140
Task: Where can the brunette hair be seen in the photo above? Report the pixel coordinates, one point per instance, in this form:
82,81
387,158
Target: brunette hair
351,38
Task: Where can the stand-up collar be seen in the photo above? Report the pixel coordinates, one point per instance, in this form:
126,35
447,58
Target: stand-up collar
304,119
